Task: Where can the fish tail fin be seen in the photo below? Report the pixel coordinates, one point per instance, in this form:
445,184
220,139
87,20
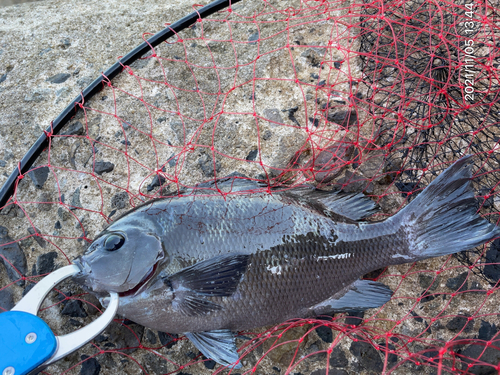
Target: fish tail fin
442,219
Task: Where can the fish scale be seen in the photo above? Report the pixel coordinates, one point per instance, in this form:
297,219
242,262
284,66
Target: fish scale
206,265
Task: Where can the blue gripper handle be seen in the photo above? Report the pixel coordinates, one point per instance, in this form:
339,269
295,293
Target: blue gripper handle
26,342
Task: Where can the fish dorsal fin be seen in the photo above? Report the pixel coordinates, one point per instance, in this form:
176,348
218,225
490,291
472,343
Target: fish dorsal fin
353,206
218,345
359,296
215,277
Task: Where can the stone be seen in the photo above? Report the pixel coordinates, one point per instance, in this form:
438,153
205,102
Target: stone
74,308
59,78
151,337
330,162
338,358
355,318
45,202
101,167
168,339
39,175
158,180
120,200
475,352
90,366
325,333
75,128
6,299
492,270
343,118
487,331
124,337
458,283
460,323
38,238
274,117
12,257
252,155
45,263
75,200
206,164
368,357
155,364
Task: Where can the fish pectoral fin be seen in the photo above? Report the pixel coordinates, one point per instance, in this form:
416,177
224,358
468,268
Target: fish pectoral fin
215,277
218,345
359,296
191,304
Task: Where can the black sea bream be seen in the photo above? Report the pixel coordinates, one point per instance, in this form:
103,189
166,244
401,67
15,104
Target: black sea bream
207,266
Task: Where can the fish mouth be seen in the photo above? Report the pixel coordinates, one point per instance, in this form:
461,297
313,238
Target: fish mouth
136,289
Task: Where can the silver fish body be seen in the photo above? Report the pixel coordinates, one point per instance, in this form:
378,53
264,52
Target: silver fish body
209,265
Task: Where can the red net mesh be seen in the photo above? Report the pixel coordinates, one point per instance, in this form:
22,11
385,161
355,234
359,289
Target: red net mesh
375,97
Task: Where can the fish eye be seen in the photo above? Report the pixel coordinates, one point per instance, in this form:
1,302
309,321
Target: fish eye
114,242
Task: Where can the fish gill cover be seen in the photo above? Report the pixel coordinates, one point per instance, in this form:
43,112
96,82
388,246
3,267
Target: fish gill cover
376,97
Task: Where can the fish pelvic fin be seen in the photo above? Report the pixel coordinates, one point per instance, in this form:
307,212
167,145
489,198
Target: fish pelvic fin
218,345
442,219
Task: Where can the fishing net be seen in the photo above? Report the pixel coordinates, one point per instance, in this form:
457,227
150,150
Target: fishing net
376,97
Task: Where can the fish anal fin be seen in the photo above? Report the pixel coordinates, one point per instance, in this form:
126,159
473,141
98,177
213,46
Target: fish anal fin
218,345
359,296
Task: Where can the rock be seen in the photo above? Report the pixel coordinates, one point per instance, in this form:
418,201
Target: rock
75,128
93,304
207,165
120,200
368,357
325,333
45,202
45,263
460,323
74,308
124,337
252,155
57,225
75,200
6,299
90,366
488,202
487,331
168,339
58,78
38,238
475,352
355,318
267,135
355,183
373,165
330,162
12,257
274,117
458,283
254,37
38,95
158,180
209,363
425,281
155,364
338,358
343,118
101,167
63,214
39,175
492,270
151,337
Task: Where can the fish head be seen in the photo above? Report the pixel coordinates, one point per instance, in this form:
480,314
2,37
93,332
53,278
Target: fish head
120,261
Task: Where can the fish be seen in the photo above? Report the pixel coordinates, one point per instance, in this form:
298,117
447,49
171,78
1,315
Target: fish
209,265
